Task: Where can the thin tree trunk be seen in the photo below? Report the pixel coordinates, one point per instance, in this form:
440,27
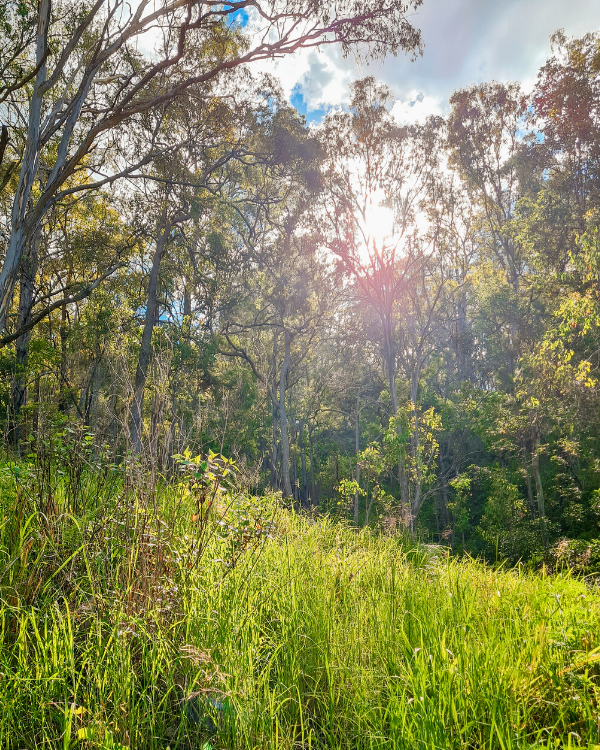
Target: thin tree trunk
141,372
390,363
273,396
285,445
29,268
535,463
29,166
464,360
357,450
415,503
304,488
63,398
313,496
294,465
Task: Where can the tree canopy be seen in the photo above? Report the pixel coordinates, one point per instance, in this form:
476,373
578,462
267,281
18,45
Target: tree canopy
396,323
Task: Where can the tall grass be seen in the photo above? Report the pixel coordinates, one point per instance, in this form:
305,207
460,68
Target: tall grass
122,626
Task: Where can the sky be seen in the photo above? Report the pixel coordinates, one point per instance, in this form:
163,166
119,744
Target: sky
466,41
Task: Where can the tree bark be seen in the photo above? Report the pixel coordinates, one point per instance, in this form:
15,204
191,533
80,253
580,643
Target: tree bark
285,444
19,231
304,488
141,372
357,450
273,395
29,266
313,496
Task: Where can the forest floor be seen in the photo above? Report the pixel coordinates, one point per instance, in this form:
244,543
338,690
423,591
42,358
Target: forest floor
133,618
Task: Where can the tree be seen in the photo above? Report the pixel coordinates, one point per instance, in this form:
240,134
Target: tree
566,107
291,295
81,241
377,171
484,135
90,76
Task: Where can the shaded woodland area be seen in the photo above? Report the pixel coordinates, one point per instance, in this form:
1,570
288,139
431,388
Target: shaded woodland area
400,324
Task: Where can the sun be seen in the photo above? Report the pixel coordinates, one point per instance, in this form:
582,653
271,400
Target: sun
378,228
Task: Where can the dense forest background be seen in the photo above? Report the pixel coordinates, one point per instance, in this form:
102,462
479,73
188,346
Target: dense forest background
400,324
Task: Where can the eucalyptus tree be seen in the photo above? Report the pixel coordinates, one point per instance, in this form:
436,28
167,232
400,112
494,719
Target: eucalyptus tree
234,168
84,72
279,289
485,136
79,243
198,135
377,177
566,108
282,308
376,174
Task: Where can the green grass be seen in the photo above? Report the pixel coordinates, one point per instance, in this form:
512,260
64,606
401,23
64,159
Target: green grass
115,609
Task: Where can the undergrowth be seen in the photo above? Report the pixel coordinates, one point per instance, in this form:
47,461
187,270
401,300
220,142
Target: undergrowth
138,613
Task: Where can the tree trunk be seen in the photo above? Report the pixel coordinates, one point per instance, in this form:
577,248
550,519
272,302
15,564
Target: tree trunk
141,372
313,496
390,362
29,268
63,398
304,488
294,465
417,498
285,445
535,463
273,395
464,360
19,230
416,507
357,451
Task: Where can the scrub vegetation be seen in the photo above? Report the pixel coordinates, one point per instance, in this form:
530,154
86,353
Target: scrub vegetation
132,620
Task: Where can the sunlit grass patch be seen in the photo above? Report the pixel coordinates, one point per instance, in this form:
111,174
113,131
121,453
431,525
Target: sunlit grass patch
317,636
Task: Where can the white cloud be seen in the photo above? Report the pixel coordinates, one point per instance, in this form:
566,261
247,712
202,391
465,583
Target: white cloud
470,41
417,108
322,76
466,41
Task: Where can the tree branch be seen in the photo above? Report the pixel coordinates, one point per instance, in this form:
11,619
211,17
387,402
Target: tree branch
82,294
